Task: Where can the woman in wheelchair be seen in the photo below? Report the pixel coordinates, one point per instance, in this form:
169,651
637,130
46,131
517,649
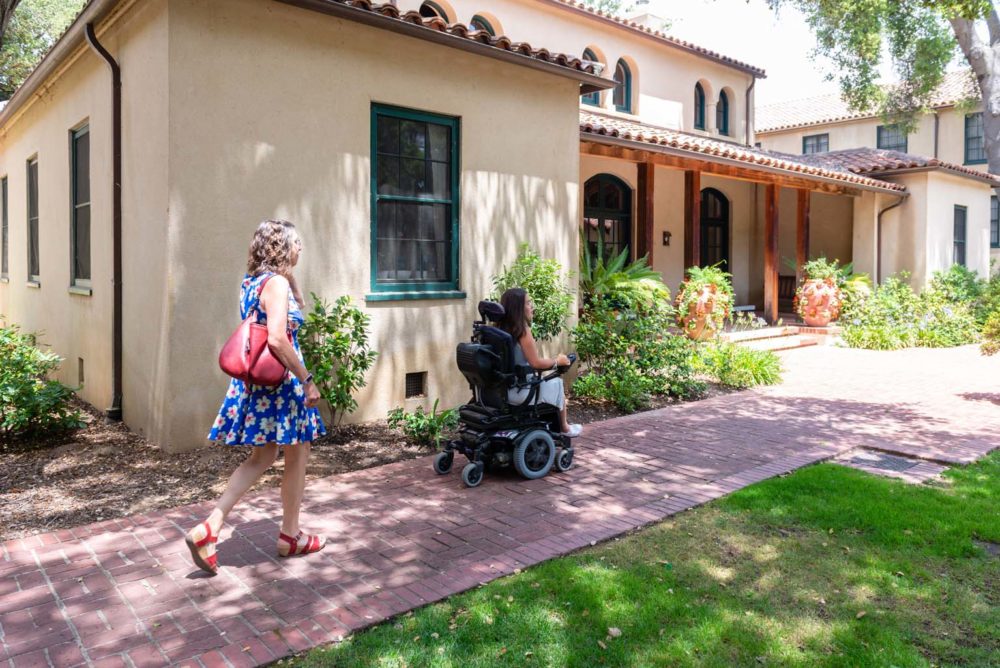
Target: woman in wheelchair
518,313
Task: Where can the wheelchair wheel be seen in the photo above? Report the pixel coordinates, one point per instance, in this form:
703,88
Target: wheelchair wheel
534,454
443,461
472,474
564,460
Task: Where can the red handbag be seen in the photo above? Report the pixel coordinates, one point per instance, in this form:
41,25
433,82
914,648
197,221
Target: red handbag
246,355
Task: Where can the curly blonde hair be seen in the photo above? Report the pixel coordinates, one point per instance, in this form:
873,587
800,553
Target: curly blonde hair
271,248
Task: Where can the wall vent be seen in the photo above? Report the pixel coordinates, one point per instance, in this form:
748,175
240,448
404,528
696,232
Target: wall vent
79,371
416,384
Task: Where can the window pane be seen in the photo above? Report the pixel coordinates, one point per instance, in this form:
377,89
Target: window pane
994,222
388,175
33,248
388,135
440,183
33,189
414,242
412,138
592,194
440,136
975,143
81,169
81,243
4,247
412,177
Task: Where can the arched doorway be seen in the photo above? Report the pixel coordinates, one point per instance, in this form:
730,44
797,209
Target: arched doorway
714,229
607,214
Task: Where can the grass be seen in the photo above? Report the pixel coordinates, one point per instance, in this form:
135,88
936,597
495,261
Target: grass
825,567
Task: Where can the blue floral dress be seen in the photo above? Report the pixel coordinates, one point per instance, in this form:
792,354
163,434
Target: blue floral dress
256,414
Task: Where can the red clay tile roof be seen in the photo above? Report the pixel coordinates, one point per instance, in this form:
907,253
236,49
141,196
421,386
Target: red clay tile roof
955,87
700,147
874,161
672,41
481,36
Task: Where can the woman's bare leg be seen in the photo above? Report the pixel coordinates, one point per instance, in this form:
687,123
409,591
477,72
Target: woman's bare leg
293,484
240,481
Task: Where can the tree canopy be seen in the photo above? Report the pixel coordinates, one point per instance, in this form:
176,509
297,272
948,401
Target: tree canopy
31,28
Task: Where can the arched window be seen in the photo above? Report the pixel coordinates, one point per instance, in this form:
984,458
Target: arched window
607,215
479,22
722,114
430,10
623,87
595,97
714,229
699,107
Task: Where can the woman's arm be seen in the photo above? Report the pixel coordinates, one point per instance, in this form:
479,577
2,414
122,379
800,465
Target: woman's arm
274,299
531,354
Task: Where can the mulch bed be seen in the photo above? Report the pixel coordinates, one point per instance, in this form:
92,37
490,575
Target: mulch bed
105,471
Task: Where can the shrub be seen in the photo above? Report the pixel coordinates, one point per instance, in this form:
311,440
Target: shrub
943,323
991,335
31,404
424,428
706,291
617,281
740,367
544,281
884,321
958,285
334,342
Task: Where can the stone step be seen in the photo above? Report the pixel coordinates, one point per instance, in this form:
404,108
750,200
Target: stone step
787,342
758,334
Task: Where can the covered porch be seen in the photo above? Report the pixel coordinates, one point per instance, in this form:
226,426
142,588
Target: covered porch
685,200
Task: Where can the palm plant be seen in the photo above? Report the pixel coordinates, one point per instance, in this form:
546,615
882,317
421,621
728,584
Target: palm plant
606,279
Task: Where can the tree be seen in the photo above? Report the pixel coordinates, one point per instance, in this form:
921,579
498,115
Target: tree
28,29
614,7
921,38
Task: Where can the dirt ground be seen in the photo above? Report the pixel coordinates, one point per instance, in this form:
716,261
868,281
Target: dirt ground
104,471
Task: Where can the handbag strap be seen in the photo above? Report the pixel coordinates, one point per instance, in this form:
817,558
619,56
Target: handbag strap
254,309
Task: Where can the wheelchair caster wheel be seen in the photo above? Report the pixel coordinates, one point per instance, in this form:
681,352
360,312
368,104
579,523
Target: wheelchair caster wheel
443,461
472,474
564,461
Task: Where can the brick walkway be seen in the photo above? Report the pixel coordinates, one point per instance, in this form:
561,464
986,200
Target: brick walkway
123,592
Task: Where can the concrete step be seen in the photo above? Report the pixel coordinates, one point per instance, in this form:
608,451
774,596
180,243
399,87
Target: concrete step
787,342
745,335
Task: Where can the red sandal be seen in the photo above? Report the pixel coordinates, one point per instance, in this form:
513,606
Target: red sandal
206,562
301,543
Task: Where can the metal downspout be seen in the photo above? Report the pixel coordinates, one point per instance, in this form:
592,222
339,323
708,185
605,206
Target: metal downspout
937,122
114,412
878,239
746,126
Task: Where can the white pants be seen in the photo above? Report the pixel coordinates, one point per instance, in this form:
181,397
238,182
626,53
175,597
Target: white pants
549,392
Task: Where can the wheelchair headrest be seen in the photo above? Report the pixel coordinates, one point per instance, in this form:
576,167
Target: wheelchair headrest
491,311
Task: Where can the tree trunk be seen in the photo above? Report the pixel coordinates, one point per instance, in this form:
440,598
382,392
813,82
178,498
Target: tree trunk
7,8
984,59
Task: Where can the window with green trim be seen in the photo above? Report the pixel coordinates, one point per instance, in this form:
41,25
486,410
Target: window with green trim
994,222
722,114
699,107
815,144
415,159
430,9
890,138
80,205
34,270
479,22
975,139
623,87
593,99
958,256
4,243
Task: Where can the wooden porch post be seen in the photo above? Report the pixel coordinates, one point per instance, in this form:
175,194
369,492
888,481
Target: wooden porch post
801,235
644,210
771,253
692,218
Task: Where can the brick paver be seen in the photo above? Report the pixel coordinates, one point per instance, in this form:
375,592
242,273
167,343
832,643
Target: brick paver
123,592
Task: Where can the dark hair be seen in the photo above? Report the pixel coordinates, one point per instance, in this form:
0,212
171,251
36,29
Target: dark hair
514,323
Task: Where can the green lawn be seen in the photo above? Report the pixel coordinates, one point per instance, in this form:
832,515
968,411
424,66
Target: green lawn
825,567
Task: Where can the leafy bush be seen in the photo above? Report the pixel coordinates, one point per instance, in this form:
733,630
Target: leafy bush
991,335
631,355
958,285
740,367
334,342
424,428
31,404
821,269
942,323
543,279
886,320
707,291
617,281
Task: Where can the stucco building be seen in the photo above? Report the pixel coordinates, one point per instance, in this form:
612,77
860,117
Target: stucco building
416,145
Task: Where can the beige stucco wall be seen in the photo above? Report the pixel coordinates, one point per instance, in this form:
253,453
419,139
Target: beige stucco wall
79,326
276,123
663,77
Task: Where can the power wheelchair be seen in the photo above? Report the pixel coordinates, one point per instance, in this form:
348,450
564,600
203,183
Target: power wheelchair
493,433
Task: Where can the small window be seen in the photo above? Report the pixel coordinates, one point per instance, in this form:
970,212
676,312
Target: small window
994,222
416,384
480,23
593,99
34,271
890,138
722,114
4,239
623,87
430,10
80,213
699,107
815,144
959,254
414,201
975,139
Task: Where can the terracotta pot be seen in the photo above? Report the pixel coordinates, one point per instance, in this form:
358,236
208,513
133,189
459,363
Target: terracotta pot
818,302
696,323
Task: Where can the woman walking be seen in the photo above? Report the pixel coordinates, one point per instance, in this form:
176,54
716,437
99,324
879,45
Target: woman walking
268,417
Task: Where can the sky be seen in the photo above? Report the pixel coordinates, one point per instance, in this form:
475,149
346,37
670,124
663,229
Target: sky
749,31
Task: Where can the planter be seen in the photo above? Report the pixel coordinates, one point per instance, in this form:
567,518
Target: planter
818,302
697,324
